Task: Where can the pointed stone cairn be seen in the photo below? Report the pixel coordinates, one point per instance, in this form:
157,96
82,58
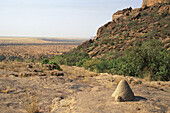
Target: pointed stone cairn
123,92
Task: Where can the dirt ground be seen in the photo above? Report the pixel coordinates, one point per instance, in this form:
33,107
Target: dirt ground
79,91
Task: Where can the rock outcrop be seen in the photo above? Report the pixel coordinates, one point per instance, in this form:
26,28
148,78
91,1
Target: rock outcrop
152,2
123,92
121,13
128,28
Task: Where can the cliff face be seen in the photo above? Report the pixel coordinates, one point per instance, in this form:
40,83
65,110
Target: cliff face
152,2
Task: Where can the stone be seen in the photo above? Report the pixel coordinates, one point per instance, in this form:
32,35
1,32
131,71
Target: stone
27,74
136,16
123,92
55,73
164,9
116,16
152,2
119,99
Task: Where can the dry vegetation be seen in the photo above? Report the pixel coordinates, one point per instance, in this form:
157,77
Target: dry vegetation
33,48
34,51
17,40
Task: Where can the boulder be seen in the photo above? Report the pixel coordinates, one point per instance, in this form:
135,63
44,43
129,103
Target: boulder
136,16
125,12
123,92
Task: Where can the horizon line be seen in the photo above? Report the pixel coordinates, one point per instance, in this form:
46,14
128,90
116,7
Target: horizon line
44,37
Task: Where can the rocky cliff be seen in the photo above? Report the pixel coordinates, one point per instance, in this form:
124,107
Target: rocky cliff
152,2
130,27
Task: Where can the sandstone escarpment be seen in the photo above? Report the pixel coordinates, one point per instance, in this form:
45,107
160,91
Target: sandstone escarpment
130,27
152,2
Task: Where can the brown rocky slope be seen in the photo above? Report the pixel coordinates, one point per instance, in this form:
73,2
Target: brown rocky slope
152,2
130,27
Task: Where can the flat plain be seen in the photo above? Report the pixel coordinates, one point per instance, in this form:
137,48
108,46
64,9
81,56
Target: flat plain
36,48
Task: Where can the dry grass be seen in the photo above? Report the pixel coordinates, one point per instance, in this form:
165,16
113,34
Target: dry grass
31,103
36,48
21,40
36,51
78,73
2,65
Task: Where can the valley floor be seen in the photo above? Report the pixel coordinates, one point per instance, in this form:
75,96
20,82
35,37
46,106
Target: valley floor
79,91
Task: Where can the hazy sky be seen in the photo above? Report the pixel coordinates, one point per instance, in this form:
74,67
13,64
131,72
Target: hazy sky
58,18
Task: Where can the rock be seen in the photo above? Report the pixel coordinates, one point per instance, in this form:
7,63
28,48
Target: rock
27,74
29,66
152,2
85,44
164,9
41,74
119,99
123,92
50,66
136,16
62,105
125,12
116,17
55,73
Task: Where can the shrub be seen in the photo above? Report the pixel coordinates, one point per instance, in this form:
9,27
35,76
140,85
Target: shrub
2,57
91,64
144,14
111,55
31,103
20,59
149,57
59,59
70,58
12,58
56,65
103,67
45,61
95,44
80,63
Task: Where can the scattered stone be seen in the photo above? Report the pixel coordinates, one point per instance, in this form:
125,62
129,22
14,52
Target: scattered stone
55,73
123,92
41,74
137,108
27,74
29,66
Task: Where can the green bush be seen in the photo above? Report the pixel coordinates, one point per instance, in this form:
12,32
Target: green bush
150,57
91,64
45,61
59,59
104,66
71,58
56,65
80,63
2,57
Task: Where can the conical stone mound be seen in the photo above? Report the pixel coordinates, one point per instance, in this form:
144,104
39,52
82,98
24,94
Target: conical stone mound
123,92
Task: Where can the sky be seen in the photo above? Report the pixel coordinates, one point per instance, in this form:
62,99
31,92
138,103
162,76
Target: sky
58,18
